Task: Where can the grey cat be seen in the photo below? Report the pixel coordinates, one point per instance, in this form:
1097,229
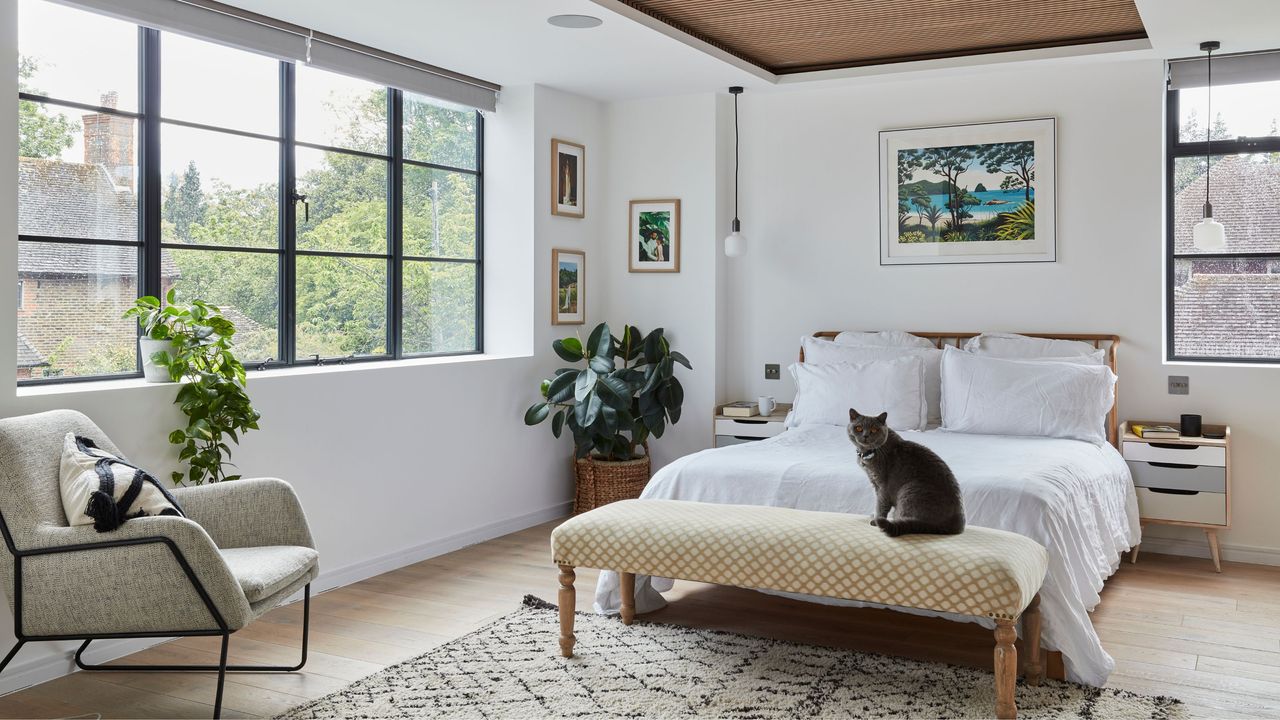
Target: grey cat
909,478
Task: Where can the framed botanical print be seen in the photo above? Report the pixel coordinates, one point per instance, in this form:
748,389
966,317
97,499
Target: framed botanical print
568,301
980,193
653,236
568,179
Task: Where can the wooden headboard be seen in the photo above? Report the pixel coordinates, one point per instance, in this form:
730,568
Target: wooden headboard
1102,342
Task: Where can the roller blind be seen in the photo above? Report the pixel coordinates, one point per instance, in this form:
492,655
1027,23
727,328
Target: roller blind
1227,70
211,20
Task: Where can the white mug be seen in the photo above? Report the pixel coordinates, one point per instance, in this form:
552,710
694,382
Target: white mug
767,405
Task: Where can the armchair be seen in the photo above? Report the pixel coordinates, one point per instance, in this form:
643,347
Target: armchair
243,547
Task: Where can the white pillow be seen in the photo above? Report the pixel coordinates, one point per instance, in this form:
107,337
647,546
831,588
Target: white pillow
822,352
102,490
884,338
825,393
1010,345
998,396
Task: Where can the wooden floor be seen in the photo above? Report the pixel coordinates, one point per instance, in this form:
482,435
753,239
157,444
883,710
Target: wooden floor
1174,627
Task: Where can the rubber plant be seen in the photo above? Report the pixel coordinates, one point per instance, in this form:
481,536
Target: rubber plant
213,396
625,392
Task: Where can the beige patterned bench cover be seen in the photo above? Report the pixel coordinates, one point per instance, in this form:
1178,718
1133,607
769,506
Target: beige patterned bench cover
982,572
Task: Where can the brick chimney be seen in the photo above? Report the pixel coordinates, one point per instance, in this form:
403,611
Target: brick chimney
109,140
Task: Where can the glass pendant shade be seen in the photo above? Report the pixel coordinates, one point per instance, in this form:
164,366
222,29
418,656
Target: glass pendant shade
735,244
1209,234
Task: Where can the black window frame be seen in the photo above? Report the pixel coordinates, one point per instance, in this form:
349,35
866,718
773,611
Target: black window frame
149,117
1175,148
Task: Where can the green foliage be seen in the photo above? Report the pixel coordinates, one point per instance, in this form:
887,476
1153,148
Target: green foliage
184,203
954,236
1019,224
213,397
40,135
913,236
611,409
655,235
1016,160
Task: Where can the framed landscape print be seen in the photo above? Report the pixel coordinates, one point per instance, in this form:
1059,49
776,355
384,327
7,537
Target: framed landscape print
981,193
653,235
568,302
568,179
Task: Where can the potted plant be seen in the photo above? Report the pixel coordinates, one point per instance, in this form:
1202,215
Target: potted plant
199,351
626,393
156,336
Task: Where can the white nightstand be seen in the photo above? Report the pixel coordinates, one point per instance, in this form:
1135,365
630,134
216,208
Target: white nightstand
736,430
1184,481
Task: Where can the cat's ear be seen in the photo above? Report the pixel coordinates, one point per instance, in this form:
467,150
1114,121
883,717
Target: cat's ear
853,415
882,416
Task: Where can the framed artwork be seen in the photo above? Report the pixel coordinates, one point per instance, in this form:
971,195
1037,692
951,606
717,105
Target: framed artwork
568,179
568,302
980,193
653,235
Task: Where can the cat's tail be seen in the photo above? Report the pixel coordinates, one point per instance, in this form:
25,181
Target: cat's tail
894,528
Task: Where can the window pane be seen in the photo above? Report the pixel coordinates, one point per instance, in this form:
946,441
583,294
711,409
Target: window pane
1244,109
213,84
74,55
340,111
439,213
342,306
245,286
76,173
69,320
1227,308
1243,189
439,307
348,199
439,134
219,189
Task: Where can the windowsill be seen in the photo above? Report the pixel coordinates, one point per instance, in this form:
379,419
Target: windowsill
255,376
1222,363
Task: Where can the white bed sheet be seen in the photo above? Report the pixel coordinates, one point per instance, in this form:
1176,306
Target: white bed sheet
1075,498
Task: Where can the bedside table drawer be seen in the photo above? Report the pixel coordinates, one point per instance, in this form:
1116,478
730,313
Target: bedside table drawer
1170,476
1182,454
1196,507
748,428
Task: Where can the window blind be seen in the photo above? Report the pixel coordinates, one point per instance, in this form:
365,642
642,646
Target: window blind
1227,70
222,23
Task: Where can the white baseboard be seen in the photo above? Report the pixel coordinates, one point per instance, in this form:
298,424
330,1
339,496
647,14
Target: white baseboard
20,675
1199,547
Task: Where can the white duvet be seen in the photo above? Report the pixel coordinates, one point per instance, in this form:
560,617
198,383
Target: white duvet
1075,498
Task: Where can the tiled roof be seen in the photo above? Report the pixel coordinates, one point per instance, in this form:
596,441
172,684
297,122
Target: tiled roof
27,355
1229,315
47,258
1246,199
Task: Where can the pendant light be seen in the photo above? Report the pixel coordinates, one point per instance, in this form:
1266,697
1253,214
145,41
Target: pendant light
1208,233
735,243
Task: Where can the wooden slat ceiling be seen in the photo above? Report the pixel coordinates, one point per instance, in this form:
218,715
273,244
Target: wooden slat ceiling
791,36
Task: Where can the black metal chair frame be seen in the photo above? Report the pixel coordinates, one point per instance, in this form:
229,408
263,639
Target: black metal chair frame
222,668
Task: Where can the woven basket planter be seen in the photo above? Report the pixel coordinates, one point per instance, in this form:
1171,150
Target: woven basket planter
600,482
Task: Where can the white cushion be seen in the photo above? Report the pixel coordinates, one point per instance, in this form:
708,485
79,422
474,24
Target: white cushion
1010,345
102,490
823,352
884,338
825,393
999,396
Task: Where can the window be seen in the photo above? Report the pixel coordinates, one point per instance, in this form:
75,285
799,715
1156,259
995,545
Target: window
1224,305
331,218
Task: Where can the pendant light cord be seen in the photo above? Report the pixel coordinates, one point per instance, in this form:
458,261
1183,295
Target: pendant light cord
735,156
1208,133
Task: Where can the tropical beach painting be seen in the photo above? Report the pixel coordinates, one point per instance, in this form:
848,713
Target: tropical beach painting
968,193
568,304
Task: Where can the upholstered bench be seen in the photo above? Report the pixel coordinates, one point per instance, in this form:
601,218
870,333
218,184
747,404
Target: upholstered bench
982,572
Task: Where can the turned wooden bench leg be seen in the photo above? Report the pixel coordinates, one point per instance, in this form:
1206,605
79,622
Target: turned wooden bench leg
628,590
568,601
1006,669
1031,637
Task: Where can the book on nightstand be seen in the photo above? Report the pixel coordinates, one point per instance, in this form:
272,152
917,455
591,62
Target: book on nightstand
1156,432
742,408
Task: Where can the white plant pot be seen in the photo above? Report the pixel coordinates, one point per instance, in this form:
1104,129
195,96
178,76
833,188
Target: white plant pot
150,371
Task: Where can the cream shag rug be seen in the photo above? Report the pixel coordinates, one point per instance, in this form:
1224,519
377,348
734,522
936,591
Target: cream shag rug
512,668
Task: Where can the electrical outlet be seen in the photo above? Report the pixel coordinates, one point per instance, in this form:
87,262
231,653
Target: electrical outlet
772,371
1179,385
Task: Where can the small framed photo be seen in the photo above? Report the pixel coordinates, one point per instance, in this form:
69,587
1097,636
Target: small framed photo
568,179
568,302
653,235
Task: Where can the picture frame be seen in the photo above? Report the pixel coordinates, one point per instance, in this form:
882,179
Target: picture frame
568,179
969,193
568,289
653,236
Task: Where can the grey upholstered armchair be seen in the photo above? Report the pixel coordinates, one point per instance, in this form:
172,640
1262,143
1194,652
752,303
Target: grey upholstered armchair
242,549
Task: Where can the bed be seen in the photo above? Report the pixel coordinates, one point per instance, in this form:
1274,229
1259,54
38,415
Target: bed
1075,498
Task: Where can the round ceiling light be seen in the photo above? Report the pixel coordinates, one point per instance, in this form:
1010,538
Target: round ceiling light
576,22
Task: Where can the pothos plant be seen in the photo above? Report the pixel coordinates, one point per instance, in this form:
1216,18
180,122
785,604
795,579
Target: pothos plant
213,397
626,392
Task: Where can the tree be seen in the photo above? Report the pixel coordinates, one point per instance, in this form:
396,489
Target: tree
933,214
950,163
40,135
184,204
1015,160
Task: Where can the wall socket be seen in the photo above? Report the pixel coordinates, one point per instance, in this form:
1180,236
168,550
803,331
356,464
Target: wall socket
772,371
1179,385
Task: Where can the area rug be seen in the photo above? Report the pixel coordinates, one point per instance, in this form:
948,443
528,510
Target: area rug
512,668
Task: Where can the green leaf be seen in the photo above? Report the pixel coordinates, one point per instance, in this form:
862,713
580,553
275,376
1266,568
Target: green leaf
565,352
536,413
602,363
585,383
177,437
562,388
680,358
557,423
573,344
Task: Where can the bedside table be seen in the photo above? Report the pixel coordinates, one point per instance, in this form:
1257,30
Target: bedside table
737,430
1184,481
